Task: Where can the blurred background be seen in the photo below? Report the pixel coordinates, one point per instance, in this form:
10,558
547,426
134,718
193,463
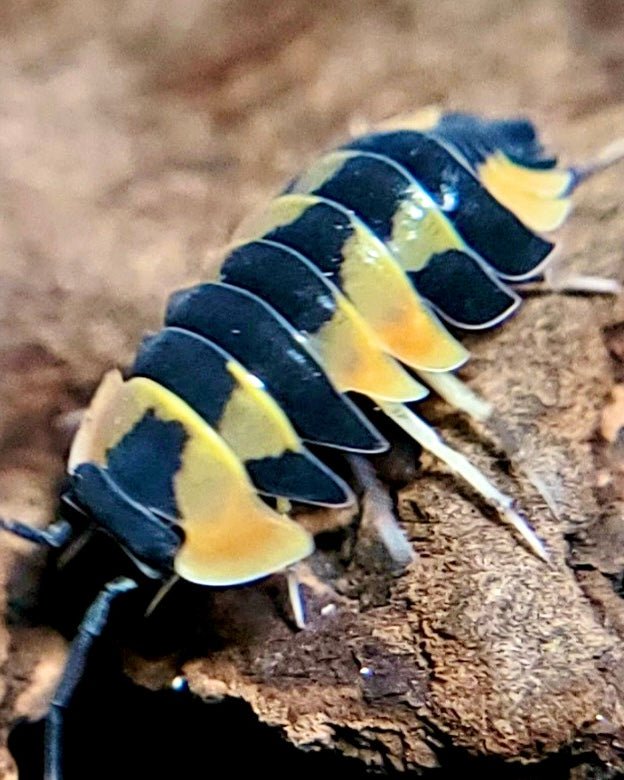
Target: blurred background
135,134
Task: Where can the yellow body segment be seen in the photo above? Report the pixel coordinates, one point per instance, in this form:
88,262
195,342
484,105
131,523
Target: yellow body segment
545,183
316,174
281,211
526,192
98,429
252,423
231,536
422,121
420,231
381,292
536,196
377,286
351,354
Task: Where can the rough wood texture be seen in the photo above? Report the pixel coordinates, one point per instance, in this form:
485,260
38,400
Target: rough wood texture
131,143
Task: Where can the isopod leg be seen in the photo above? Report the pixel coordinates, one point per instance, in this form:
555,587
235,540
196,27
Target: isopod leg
609,155
378,512
558,278
160,595
90,629
294,595
56,535
429,439
460,396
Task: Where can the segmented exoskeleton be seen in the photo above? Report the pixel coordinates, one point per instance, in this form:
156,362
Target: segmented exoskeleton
349,274
354,280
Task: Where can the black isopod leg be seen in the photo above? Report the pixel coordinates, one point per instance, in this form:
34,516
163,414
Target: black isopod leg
56,535
89,631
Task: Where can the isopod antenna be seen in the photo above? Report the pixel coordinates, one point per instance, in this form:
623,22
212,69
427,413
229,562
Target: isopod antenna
89,631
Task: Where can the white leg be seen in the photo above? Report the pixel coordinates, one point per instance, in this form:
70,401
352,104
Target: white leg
560,279
429,439
160,595
283,505
378,512
295,597
460,396
609,155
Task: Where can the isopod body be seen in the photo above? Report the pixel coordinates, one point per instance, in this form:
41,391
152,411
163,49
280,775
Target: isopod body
354,280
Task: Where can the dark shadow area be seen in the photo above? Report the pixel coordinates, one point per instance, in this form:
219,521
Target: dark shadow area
122,731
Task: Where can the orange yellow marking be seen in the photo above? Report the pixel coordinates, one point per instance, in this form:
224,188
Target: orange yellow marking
231,535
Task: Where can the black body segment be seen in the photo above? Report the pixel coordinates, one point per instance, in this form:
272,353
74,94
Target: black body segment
475,138
191,367
347,348
201,374
371,186
319,234
511,164
391,203
284,279
494,232
147,537
300,478
347,251
145,461
266,345
462,292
